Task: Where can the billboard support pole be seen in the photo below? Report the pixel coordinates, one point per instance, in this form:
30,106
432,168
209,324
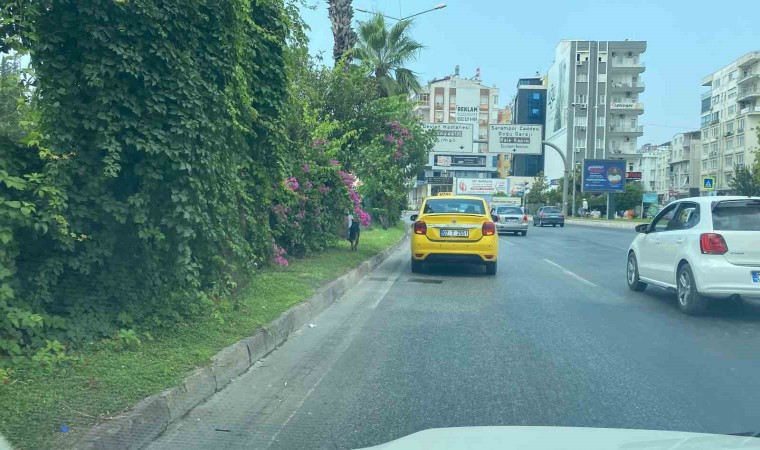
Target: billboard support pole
567,174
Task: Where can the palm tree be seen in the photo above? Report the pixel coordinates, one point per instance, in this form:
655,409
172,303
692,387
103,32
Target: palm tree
341,13
385,51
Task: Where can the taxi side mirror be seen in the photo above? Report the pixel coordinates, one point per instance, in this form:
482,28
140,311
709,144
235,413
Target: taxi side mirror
413,217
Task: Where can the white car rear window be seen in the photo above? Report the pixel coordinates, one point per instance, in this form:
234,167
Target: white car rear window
737,215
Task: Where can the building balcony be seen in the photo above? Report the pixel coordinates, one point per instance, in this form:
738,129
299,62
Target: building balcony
748,59
626,129
749,77
635,66
750,110
747,94
637,86
707,94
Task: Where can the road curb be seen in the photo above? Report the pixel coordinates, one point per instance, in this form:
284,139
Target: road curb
142,424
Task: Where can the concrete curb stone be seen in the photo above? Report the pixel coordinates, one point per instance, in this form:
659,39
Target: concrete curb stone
150,417
594,224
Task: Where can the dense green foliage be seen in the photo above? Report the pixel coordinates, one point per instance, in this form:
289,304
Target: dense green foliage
166,150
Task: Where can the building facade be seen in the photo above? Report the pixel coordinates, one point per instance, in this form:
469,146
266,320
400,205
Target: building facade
470,104
729,119
593,101
685,156
529,107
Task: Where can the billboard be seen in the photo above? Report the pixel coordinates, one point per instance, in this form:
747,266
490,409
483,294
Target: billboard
603,175
557,92
459,160
514,139
481,186
451,137
468,105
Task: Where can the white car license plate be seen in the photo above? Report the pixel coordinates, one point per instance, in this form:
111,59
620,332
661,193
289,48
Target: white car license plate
455,233
511,220
756,277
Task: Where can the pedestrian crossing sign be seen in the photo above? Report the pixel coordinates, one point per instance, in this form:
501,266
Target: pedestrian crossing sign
708,183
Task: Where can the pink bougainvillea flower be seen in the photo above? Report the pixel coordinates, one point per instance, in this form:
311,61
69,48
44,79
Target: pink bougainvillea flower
324,189
334,162
309,185
292,183
306,167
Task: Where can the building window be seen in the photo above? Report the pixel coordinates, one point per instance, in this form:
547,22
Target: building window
580,142
705,149
716,83
483,99
729,143
729,160
600,121
715,132
482,132
729,127
740,141
580,98
438,100
740,125
714,163
483,118
731,75
704,164
495,99
439,116
714,148
740,159
601,99
716,100
731,110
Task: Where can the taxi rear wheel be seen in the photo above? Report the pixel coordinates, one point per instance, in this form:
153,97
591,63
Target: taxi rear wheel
417,266
491,268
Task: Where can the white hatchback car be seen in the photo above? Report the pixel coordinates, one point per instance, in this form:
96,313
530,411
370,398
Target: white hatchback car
702,247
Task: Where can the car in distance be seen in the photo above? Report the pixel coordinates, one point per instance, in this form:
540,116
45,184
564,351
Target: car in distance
454,229
701,247
549,215
510,219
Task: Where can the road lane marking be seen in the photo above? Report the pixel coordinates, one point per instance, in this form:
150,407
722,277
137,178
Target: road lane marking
571,274
506,241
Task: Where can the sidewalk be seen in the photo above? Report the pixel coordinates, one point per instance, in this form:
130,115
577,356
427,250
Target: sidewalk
597,223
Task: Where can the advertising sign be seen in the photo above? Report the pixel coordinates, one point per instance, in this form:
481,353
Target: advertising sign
481,186
515,139
633,175
557,93
603,175
439,180
451,137
468,105
459,160
650,198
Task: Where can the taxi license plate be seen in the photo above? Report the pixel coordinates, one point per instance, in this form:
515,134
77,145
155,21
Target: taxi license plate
455,233
756,277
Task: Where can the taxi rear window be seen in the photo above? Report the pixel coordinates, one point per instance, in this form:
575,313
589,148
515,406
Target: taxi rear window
454,206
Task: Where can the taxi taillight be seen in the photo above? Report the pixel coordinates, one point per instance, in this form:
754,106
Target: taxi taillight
489,229
420,227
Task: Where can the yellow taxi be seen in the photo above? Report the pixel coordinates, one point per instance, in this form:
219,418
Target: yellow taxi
454,228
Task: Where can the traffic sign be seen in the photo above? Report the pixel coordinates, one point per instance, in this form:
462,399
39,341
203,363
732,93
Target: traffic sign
514,139
708,183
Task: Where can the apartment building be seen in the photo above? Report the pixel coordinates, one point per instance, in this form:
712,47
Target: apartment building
593,101
654,164
472,105
685,156
529,107
730,115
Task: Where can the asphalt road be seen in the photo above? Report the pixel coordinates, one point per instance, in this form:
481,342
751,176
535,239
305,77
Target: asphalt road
555,339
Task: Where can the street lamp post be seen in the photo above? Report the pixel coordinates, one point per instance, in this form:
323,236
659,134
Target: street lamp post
567,174
436,7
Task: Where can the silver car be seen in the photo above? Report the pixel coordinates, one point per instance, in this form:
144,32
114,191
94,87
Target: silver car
510,219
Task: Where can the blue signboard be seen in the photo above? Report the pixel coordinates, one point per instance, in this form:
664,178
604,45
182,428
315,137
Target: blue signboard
554,182
603,175
649,198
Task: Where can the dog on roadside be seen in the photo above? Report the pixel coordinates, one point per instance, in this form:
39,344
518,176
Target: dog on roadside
353,235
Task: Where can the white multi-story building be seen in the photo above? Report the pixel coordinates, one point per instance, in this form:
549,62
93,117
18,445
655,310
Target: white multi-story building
655,168
685,156
593,101
730,116
468,103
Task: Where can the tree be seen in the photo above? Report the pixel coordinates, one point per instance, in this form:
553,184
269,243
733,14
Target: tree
385,51
631,198
538,190
746,181
341,14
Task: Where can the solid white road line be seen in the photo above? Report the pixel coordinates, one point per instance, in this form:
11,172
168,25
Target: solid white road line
571,274
506,241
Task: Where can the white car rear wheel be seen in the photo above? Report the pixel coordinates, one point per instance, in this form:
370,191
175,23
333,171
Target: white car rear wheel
689,300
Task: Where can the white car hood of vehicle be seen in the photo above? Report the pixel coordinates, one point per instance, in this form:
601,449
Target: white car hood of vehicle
478,438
